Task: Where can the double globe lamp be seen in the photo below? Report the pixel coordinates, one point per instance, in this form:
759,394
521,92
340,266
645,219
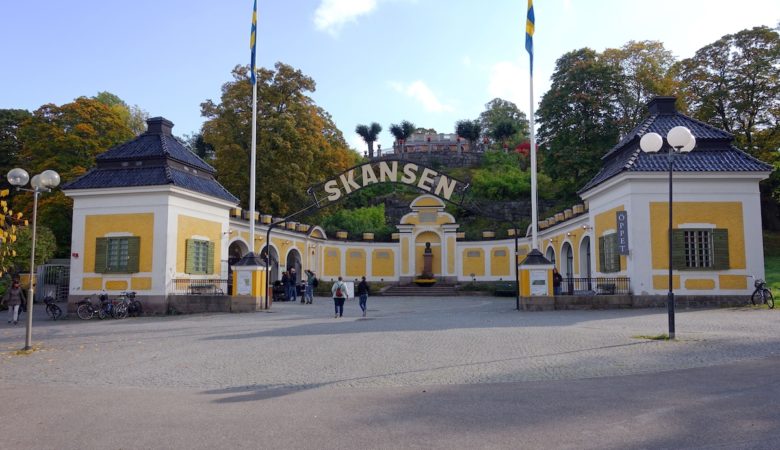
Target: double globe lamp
679,140
43,182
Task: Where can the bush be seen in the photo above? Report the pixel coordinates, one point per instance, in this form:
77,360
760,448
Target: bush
370,219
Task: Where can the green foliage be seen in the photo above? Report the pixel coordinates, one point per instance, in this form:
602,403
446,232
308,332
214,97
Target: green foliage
45,247
369,133
370,219
133,116
196,144
67,139
297,142
578,120
503,122
508,183
470,130
10,143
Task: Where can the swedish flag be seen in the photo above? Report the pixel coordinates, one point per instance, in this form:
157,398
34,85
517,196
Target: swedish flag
529,33
253,42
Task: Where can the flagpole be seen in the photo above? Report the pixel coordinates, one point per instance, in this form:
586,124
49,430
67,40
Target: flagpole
252,170
534,217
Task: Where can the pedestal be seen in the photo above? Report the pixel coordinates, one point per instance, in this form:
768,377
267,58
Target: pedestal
535,275
248,289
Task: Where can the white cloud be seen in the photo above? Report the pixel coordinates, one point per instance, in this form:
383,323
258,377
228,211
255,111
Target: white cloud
420,92
331,15
509,80
466,61
356,142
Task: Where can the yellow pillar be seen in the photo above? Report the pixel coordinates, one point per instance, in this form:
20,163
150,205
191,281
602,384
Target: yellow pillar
248,289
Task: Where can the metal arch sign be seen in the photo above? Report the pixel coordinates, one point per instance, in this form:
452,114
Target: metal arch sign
425,179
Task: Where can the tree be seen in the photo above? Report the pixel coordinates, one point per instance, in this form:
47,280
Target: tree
134,116
499,112
369,133
297,142
734,84
469,130
577,118
371,219
67,139
45,247
401,132
10,143
646,72
10,223
502,131
199,146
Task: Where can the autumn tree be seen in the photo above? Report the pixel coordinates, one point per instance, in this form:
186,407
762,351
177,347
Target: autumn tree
646,72
578,119
298,144
10,222
133,116
10,143
67,139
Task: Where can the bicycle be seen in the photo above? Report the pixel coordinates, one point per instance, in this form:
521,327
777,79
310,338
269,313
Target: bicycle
762,294
54,311
134,307
86,310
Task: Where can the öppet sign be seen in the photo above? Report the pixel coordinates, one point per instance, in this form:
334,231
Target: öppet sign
622,232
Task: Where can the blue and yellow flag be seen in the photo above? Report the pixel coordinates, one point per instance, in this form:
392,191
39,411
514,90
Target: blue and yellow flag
252,43
529,33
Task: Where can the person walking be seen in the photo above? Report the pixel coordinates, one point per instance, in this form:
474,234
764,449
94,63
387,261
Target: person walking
14,297
311,283
362,292
557,279
339,292
286,284
293,285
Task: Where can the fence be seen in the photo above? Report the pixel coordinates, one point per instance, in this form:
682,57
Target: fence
596,286
199,286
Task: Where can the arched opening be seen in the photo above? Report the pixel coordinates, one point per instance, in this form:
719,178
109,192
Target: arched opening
567,260
419,251
274,263
294,262
585,267
236,251
550,255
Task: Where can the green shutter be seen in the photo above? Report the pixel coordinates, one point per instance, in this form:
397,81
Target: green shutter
678,252
602,255
720,248
100,255
210,261
133,253
189,256
613,243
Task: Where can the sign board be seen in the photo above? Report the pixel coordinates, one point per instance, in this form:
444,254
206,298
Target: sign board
423,178
538,279
622,232
243,282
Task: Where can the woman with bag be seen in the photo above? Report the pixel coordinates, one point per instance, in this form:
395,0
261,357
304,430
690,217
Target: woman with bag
14,297
339,291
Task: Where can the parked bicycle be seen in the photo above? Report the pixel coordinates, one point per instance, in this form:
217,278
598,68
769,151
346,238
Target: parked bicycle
762,295
54,311
87,309
134,307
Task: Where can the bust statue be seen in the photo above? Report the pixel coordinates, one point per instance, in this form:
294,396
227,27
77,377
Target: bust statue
428,247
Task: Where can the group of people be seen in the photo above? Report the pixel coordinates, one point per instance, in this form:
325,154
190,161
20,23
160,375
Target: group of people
338,290
340,294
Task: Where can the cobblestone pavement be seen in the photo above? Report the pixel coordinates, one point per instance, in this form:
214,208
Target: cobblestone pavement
403,342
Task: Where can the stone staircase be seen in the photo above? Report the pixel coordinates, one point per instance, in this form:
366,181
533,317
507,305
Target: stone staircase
412,290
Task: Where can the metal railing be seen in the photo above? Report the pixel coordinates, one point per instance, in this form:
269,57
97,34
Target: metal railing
200,286
596,286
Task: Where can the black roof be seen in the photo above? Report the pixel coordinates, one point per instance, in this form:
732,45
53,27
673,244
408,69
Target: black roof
154,158
714,150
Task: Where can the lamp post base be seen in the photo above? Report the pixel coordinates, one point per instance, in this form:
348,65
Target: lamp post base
670,310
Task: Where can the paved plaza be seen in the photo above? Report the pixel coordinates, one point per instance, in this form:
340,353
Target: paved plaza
463,372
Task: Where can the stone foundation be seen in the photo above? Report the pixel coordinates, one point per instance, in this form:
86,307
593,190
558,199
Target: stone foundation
569,302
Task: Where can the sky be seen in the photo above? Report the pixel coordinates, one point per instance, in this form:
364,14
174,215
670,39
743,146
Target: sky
432,62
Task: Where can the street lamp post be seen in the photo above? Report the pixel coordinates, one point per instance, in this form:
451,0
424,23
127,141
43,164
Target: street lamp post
679,140
43,182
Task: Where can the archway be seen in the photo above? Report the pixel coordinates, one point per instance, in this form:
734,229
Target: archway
294,262
585,267
550,255
567,260
274,263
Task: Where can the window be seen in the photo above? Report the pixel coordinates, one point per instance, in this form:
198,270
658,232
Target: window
700,249
117,254
199,257
609,258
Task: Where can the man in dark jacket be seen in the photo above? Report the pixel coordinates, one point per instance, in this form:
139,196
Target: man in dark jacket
362,292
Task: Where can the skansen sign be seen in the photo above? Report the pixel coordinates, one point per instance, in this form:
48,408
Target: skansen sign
418,176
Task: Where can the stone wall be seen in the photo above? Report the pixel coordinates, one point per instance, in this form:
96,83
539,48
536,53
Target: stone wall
437,159
568,302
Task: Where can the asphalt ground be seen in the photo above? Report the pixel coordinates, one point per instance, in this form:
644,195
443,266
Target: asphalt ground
416,373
